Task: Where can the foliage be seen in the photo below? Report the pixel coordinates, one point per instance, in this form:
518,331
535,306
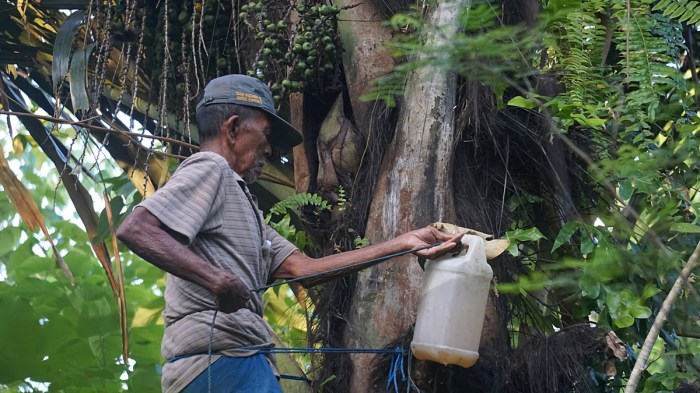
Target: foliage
62,336
627,113
284,226
684,11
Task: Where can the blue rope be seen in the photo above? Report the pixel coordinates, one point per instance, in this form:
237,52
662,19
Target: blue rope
394,351
396,365
397,353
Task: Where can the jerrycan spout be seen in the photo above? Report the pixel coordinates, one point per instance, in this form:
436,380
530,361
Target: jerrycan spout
453,304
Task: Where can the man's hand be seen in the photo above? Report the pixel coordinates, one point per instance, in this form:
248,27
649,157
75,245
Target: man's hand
230,292
429,235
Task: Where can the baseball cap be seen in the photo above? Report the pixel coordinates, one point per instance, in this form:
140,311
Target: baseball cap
248,91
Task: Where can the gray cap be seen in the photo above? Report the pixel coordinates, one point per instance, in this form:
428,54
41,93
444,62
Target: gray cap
248,91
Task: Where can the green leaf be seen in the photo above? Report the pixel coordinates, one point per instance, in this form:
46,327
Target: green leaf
625,189
624,321
565,233
78,76
649,291
588,121
685,227
522,102
530,234
640,312
103,232
587,244
8,239
589,288
521,235
22,338
63,45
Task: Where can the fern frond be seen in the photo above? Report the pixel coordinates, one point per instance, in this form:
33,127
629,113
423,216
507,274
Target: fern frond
685,11
297,201
647,60
579,51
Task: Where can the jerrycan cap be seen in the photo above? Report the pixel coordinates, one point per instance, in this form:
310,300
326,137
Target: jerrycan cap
476,248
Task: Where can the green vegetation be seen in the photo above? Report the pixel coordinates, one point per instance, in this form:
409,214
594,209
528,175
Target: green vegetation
589,108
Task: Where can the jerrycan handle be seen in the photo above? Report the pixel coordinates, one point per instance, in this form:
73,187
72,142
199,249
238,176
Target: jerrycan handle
477,250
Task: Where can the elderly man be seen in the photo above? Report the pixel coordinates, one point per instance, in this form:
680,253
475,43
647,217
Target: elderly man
205,230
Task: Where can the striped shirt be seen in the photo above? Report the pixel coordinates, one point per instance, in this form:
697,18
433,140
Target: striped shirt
210,205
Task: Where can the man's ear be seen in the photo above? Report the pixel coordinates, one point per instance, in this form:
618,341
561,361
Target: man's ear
230,127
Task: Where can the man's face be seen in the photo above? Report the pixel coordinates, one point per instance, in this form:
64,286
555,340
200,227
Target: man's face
252,146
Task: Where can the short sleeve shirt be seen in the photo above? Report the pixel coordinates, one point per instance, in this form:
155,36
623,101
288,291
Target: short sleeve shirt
210,206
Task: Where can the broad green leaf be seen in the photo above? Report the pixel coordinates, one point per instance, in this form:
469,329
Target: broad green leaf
589,122
22,340
63,46
530,234
613,302
8,239
649,291
565,233
522,102
640,312
685,227
587,244
623,321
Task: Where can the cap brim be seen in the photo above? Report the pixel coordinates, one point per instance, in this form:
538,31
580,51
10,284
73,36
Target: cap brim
283,135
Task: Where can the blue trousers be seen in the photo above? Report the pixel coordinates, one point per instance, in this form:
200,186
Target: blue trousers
251,374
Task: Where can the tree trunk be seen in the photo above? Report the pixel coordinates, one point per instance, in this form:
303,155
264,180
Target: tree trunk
414,189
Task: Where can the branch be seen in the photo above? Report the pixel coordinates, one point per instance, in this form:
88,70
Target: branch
640,364
130,134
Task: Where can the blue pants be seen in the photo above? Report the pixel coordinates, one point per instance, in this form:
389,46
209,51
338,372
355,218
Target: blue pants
251,374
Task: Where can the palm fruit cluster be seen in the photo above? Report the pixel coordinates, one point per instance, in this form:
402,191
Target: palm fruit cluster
294,55
209,38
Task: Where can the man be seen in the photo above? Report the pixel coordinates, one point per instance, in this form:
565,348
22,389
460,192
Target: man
204,229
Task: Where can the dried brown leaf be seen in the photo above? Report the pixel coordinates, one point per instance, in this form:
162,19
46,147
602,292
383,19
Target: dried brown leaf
493,247
120,293
83,205
27,209
616,345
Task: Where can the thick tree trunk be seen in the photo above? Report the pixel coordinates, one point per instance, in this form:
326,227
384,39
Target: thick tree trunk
363,35
414,189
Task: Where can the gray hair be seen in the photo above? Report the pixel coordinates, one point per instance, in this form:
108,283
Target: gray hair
210,117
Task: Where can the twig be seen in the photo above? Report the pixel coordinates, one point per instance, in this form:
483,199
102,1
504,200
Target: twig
129,134
640,364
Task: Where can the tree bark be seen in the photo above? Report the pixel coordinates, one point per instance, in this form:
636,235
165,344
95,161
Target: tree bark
414,189
363,35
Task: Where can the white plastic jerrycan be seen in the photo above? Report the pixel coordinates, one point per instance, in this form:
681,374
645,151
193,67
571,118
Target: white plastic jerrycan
453,304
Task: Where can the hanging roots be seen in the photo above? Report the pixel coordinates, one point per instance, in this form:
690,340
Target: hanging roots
558,362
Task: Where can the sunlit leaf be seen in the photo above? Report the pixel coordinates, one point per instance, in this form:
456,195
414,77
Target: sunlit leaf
685,227
522,102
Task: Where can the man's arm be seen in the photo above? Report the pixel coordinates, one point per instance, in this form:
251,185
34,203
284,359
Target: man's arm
145,235
299,265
